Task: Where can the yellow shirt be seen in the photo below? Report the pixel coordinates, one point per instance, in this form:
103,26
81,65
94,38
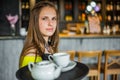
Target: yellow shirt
28,59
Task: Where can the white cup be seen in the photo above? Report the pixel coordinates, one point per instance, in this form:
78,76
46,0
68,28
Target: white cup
22,32
61,59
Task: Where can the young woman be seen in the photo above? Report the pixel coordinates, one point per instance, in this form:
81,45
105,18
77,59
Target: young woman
42,38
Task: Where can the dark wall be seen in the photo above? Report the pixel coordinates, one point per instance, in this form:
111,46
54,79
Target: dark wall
6,7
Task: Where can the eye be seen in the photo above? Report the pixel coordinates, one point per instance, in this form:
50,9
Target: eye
44,18
54,18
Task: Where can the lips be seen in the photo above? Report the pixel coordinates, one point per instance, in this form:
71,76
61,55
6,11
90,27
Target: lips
49,29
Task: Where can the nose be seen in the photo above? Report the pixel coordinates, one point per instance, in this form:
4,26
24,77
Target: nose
50,22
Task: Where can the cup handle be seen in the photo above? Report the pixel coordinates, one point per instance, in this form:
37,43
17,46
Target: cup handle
30,65
50,57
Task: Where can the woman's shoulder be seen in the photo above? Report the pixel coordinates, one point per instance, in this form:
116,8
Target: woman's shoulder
31,52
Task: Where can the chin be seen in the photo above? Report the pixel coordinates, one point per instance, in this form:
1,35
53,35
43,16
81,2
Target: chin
49,34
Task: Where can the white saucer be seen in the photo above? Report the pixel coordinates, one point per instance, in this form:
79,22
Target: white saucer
70,66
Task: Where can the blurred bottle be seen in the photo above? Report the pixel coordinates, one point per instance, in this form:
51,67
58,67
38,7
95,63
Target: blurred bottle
118,6
68,18
83,16
27,5
108,29
23,5
87,26
109,17
111,6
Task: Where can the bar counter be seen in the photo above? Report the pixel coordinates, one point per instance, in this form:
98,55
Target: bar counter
90,36
69,36
89,42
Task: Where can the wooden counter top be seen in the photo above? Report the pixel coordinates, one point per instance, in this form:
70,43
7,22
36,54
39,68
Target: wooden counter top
11,37
69,36
90,36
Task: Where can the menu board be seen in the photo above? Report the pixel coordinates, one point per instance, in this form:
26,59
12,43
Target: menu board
94,24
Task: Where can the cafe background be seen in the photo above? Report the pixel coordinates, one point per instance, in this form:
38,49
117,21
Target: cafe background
75,30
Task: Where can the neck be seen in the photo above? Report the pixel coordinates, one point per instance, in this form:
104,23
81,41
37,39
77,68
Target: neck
46,39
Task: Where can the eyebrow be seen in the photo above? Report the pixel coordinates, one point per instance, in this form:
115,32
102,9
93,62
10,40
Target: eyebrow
48,16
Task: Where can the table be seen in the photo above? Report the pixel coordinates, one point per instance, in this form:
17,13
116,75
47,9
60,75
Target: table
77,73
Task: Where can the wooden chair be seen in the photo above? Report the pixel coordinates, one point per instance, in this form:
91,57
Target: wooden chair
94,67
72,54
112,63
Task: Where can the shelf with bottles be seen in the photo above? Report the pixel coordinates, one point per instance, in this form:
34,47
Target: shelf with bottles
109,12
25,11
68,12
116,16
113,12
81,10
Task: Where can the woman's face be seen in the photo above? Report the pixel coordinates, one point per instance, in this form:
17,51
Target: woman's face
47,21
